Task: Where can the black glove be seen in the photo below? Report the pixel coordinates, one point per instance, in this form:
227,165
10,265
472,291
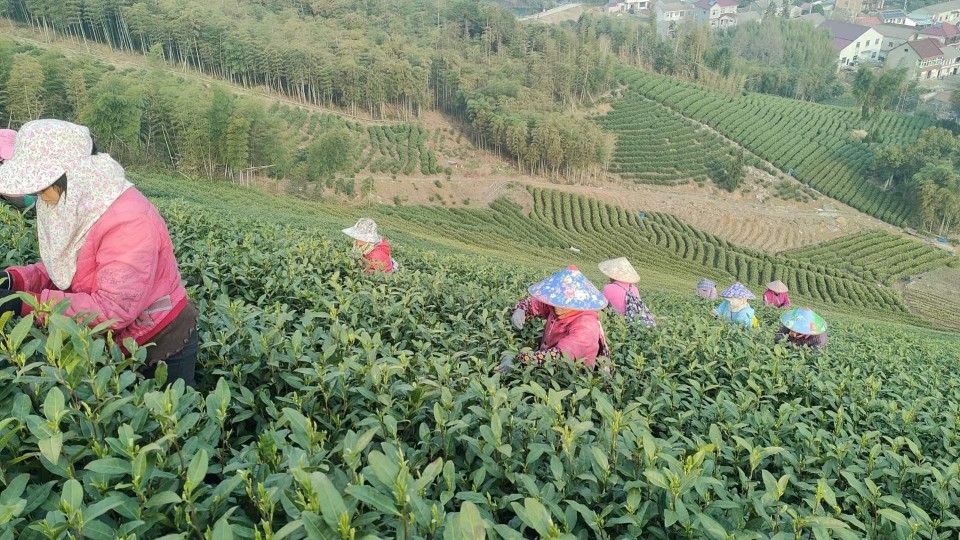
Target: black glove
7,282
9,302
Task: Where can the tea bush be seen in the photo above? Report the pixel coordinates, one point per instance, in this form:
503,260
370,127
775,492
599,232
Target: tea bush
333,404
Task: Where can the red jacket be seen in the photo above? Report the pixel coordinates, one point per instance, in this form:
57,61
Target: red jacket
577,335
379,258
126,270
777,300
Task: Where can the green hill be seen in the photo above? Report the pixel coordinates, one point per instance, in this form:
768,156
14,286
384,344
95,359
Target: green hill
334,404
816,141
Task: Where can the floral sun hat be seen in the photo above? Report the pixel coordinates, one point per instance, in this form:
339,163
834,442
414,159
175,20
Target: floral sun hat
778,287
43,152
737,290
570,289
804,321
365,230
620,270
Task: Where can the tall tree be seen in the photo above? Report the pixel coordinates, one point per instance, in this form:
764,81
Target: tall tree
24,97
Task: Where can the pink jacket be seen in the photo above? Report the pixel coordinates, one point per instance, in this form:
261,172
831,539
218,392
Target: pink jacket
780,300
577,335
616,294
126,271
380,258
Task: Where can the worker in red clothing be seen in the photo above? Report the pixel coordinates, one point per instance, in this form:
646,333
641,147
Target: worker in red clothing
368,244
570,305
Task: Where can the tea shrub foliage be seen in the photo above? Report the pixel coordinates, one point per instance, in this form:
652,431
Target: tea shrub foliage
333,404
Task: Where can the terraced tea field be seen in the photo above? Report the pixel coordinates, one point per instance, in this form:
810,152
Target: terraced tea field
877,256
815,141
395,148
335,404
934,296
657,146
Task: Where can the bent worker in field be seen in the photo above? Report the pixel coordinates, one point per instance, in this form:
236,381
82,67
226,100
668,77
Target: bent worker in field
103,247
622,294
776,295
570,304
802,327
736,305
372,247
707,289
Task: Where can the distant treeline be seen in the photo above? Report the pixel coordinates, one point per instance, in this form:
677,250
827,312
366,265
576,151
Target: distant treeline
399,57
148,117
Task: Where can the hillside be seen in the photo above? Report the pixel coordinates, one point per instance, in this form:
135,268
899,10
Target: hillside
534,228
816,142
338,404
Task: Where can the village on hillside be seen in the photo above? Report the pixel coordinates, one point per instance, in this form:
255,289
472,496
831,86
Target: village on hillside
925,41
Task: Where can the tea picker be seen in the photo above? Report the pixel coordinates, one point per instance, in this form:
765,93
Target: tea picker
570,303
622,294
802,327
371,247
104,247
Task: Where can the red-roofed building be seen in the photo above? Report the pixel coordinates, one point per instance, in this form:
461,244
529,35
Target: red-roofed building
945,33
923,58
719,13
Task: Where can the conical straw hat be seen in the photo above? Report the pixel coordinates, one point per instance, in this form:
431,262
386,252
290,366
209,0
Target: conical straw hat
620,270
778,287
804,321
569,288
737,290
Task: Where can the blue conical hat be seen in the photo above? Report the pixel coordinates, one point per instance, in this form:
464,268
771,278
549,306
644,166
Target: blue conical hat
737,290
804,321
570,289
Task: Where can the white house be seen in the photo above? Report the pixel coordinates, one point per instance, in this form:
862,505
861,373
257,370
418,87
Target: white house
668,12
719,13
951,60
894,35
853,42
625,6
923,58
895,17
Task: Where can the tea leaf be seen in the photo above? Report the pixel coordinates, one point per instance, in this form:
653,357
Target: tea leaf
374,499
198,468
109,466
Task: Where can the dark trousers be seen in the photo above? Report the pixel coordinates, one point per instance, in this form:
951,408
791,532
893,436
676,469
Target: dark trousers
181,365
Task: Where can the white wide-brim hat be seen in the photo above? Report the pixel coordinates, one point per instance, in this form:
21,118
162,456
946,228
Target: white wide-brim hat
43,151
365,230
620,270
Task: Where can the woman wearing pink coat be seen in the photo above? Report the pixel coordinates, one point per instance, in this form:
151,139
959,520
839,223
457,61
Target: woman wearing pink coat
103,247
569,303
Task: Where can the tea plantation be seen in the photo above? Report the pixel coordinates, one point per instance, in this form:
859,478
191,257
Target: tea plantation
816,141
334,404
